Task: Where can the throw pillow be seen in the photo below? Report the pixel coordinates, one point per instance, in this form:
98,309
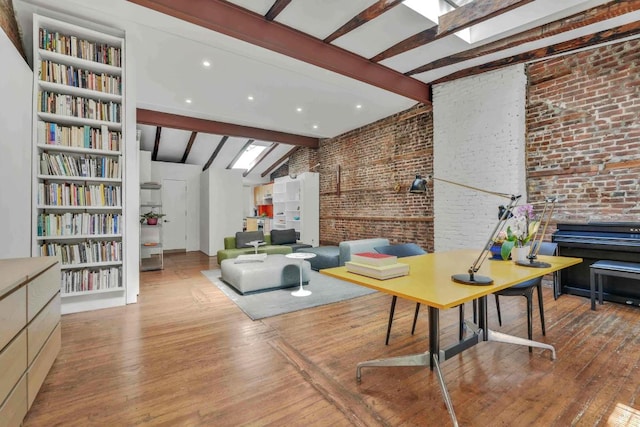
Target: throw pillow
283,237
244,237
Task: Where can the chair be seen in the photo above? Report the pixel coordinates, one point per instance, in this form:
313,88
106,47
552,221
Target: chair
525,289
404,250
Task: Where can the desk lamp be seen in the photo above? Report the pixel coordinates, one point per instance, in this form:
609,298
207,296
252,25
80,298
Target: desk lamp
419,185
549,204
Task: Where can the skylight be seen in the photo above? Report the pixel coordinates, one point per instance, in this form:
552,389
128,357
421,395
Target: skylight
250,154
433,9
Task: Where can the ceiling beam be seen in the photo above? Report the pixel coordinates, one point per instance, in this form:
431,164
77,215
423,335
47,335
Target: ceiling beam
175,121
156,144
278,162
475,12
259,159
370,13
215,153
188,149
605,36
459,19
276,8
234,21
578,20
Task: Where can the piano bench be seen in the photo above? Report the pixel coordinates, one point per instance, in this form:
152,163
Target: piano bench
599,269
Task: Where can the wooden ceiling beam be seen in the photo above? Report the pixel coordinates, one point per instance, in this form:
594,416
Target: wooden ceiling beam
260,158
276,8
278,162
188,149
474,13
459,19
156,144
578,20
605,36
369,14
175,121
223,140
234,21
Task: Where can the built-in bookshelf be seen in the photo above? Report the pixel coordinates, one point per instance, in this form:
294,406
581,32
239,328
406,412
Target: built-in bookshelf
79,86
296,205
151,250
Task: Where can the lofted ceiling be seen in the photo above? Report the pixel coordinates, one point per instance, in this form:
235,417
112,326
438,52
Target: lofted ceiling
315,68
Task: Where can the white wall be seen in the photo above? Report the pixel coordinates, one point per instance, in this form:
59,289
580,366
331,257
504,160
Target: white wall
221,206
190,174
479,140
16,80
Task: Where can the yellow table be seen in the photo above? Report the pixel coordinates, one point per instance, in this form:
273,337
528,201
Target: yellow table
429,282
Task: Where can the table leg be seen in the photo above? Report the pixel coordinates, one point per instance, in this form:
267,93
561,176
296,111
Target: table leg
301,292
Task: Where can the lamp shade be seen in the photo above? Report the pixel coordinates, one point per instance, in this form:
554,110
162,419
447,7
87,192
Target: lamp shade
419,185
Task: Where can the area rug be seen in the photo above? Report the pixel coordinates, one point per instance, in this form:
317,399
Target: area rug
324,290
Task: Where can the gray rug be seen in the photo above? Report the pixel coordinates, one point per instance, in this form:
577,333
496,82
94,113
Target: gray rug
325,290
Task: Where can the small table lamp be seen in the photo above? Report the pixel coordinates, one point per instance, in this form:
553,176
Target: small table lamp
419,185
547,212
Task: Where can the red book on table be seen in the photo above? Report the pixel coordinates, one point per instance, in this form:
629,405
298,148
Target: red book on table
374,258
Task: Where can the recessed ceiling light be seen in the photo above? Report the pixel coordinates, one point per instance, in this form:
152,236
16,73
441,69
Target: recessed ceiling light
250,98
206,63
359,106
188,101
299,109
315,126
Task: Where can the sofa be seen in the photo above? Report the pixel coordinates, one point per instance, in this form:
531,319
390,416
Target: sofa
336,256
278,242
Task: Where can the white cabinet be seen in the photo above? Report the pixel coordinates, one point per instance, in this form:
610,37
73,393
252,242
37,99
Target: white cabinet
151,251
78,160
296,205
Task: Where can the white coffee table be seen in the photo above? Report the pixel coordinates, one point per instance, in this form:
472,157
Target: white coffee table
300,256
255,244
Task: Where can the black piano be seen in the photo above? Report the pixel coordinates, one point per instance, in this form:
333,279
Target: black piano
619,241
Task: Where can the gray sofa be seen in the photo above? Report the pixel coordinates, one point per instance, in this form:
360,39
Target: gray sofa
336,256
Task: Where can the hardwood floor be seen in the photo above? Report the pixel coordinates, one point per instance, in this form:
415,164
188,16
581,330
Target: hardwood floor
185,355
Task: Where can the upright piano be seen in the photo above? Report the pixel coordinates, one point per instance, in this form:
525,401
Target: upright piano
618,241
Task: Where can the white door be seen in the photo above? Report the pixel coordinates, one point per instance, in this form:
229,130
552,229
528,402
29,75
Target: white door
174,205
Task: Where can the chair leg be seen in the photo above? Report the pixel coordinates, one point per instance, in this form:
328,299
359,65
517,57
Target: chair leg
541,306
461,326
393,309
415,318
529,297
498,308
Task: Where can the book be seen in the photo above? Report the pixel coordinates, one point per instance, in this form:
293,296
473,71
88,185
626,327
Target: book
374,258
241,259
378,272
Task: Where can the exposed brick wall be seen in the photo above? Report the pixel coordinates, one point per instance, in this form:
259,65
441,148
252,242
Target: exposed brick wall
10,26
582,144
376,165
584,133
479,141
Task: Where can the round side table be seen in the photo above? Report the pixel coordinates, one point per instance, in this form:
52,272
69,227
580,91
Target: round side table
301,256
255,244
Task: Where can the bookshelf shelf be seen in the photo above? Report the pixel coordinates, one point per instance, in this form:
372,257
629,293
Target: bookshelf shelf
78,161
296,205
151,251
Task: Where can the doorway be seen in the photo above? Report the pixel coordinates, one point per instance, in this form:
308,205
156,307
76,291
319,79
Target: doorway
174,202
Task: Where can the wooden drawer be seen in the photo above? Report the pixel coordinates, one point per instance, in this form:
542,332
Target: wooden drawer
13,361
40,328
13,315
41,289
15,407
41,365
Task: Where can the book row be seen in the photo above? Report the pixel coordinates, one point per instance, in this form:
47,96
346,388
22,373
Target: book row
91,280
60,164
77,106
78,224
70,194
85,252
77,77
79,136
103,53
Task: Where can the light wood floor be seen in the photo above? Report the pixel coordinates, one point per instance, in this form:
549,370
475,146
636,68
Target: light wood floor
185,355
